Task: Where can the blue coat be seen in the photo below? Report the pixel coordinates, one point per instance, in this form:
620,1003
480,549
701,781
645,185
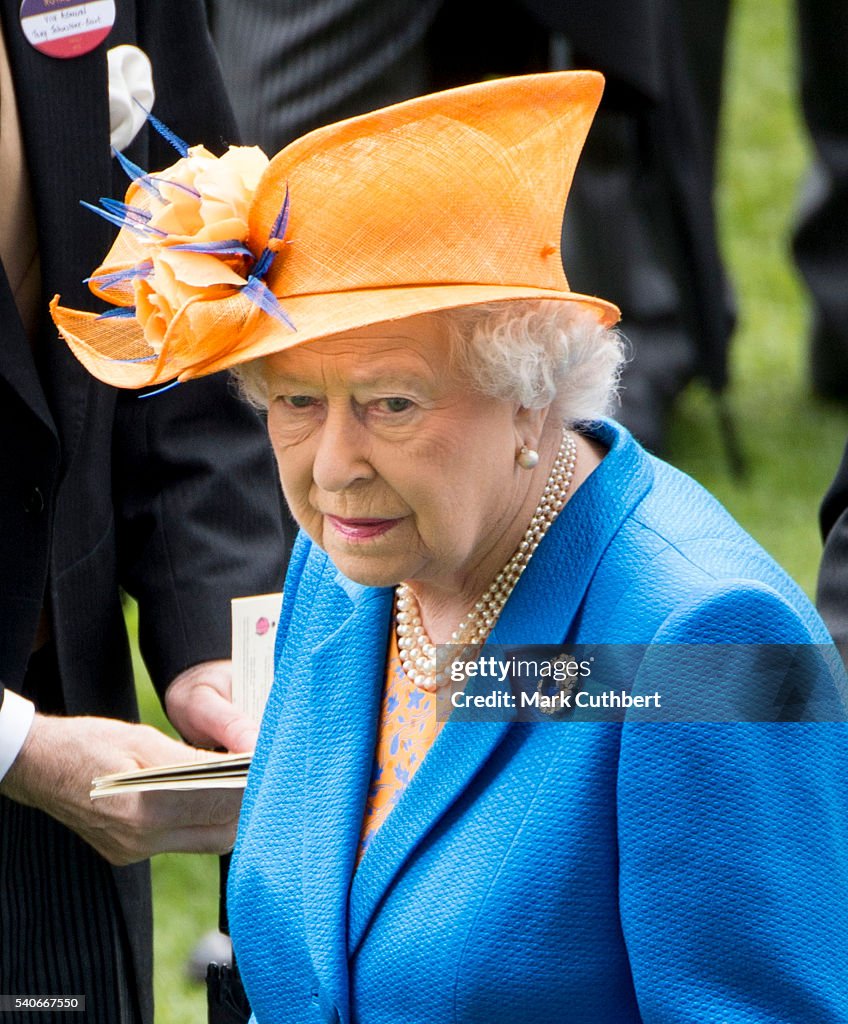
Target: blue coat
591,873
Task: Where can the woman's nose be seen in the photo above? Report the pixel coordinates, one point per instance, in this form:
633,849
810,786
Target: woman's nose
342,453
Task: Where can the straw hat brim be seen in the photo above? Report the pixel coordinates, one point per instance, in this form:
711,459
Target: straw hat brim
315,317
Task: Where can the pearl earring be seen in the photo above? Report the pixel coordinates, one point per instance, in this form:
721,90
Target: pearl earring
527,458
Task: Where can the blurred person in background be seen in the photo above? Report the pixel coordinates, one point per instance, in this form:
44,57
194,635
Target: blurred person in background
171,497
820,237
832,587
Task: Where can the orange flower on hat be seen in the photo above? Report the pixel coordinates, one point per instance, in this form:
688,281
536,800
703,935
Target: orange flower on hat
183,240
212,195
194,239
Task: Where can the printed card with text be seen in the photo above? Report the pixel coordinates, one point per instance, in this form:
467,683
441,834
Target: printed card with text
254,634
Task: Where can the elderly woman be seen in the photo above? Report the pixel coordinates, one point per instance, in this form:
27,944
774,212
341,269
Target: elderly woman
392,289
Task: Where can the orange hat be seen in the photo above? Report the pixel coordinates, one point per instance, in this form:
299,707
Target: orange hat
446,200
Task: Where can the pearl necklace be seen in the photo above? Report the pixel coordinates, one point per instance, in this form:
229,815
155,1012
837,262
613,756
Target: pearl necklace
418,654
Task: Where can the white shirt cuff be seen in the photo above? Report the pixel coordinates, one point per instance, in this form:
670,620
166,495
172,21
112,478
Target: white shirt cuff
16,715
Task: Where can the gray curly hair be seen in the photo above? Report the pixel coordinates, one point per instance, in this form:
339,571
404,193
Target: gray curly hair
532,352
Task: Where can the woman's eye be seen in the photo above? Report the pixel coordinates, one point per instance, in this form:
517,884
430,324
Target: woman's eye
396,404
297,401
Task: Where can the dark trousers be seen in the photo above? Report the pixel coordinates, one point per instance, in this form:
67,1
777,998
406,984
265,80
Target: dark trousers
820,241
61,928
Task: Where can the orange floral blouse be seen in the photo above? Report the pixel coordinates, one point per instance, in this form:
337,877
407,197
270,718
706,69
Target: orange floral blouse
406,732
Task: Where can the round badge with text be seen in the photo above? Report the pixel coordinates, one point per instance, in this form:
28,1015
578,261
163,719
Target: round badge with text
67,28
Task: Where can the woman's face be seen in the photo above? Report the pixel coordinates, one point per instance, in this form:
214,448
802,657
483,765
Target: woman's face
394,467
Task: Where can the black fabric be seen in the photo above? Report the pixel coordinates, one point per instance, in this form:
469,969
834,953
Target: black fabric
831,599
226,999
175,498
820,243
470,40
311,64
622,37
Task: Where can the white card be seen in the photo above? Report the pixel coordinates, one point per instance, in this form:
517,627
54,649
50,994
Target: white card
254,634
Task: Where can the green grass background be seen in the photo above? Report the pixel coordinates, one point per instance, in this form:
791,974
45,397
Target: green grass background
792,443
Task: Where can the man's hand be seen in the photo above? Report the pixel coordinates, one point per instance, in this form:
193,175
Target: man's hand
199,704
60,757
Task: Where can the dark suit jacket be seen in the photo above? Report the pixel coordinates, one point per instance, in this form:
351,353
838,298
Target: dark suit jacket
172,497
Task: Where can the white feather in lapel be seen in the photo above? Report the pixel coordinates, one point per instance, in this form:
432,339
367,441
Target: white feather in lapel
131,93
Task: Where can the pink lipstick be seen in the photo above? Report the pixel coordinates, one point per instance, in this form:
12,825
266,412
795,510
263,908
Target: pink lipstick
360,529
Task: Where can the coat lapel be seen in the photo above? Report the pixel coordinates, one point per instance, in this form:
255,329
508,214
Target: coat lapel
346,680
541,610
17,365
459,752
64,115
